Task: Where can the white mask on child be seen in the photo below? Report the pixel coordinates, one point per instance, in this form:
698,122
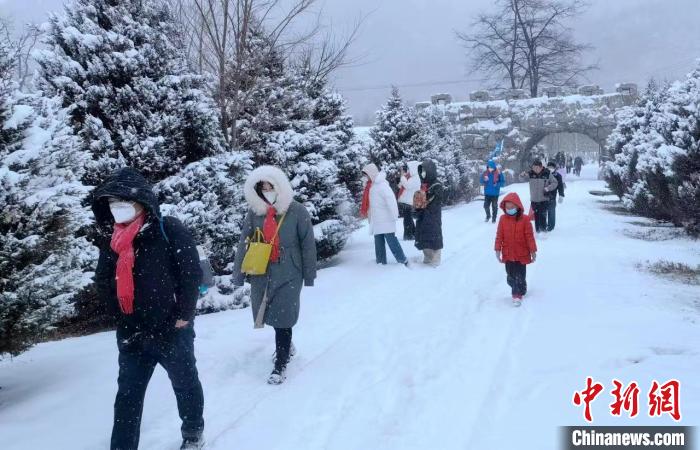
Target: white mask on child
122,211
270,196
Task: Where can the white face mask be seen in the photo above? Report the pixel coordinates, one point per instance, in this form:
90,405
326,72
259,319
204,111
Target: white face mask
270,196
123,212
423,174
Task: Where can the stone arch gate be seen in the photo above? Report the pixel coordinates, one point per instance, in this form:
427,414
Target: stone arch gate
523,122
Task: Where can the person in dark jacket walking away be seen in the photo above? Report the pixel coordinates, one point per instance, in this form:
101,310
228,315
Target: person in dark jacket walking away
552,207
148,274
569,163
492,180
408,185
515,245
578,164
542,183
429,223
286,224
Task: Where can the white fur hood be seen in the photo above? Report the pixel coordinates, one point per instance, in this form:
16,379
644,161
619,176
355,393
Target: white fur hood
277,178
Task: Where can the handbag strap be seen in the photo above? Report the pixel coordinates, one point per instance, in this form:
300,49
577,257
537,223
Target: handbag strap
277,232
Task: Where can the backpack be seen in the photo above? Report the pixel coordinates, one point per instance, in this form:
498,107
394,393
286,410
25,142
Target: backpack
204,264
420,199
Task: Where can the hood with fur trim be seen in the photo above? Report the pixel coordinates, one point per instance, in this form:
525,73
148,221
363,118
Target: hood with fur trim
371,170
413,168
277,178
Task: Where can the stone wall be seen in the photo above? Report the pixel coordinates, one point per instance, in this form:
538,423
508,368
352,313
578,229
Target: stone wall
522,122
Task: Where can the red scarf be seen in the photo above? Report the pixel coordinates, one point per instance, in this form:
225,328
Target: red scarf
403,189
424,187
364,207
269,232
496,176
123,245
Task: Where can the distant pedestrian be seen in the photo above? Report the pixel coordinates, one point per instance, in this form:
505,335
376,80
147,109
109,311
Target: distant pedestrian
552,207
542,183
409,183
492,180
429,210
578,164
380,207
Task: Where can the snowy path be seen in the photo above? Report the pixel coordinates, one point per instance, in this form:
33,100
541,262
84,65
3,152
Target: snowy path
390,358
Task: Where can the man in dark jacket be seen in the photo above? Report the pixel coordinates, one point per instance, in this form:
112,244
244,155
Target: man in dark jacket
542,183
552,207
148,275
429,223
578,164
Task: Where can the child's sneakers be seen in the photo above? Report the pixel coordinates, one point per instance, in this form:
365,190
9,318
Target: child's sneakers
517,300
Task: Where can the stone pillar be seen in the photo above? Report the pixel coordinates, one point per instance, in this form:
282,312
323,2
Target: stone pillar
553,91
590,89
441,99
516,94
627,89
479,96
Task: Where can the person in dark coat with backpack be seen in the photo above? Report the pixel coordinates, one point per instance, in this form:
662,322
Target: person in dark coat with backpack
275,295
148,275
552,207
429,223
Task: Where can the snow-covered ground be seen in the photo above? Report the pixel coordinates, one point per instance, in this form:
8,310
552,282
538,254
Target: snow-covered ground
391,358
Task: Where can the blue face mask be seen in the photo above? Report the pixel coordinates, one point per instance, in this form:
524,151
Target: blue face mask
512,211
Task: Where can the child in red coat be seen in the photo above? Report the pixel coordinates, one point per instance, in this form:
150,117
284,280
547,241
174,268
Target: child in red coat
515,244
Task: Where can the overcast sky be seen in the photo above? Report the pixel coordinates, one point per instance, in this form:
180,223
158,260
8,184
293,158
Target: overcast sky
412,42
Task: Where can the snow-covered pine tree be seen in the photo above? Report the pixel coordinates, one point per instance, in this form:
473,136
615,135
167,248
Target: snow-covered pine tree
126,86
348,152
632,127
45,258
299,126
398,136
458,175
658,165
684,104
207,196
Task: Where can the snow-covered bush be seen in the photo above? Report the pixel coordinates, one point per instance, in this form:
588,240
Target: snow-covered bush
398,136
656,146
126,85
45,257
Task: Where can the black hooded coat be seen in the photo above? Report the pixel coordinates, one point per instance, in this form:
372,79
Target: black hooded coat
166,272
429,222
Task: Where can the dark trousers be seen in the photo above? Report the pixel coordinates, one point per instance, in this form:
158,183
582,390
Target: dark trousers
394,246
516,273
552,214
491,206
409,225
540,209
283,345
138,357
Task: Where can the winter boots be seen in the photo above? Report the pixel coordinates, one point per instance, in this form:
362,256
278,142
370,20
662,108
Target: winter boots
432,257
279,373
192,443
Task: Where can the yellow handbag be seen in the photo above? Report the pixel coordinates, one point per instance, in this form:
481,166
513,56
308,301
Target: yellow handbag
257,256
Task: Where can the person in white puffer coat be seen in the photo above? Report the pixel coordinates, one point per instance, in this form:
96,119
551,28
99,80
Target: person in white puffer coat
380,207
409,184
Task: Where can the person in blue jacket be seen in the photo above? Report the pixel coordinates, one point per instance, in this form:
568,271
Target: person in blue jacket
492,180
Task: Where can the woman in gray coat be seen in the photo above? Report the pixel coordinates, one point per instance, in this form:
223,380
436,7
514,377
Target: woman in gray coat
275,295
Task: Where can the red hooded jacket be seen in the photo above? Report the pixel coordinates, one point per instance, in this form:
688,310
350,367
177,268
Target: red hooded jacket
514,238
